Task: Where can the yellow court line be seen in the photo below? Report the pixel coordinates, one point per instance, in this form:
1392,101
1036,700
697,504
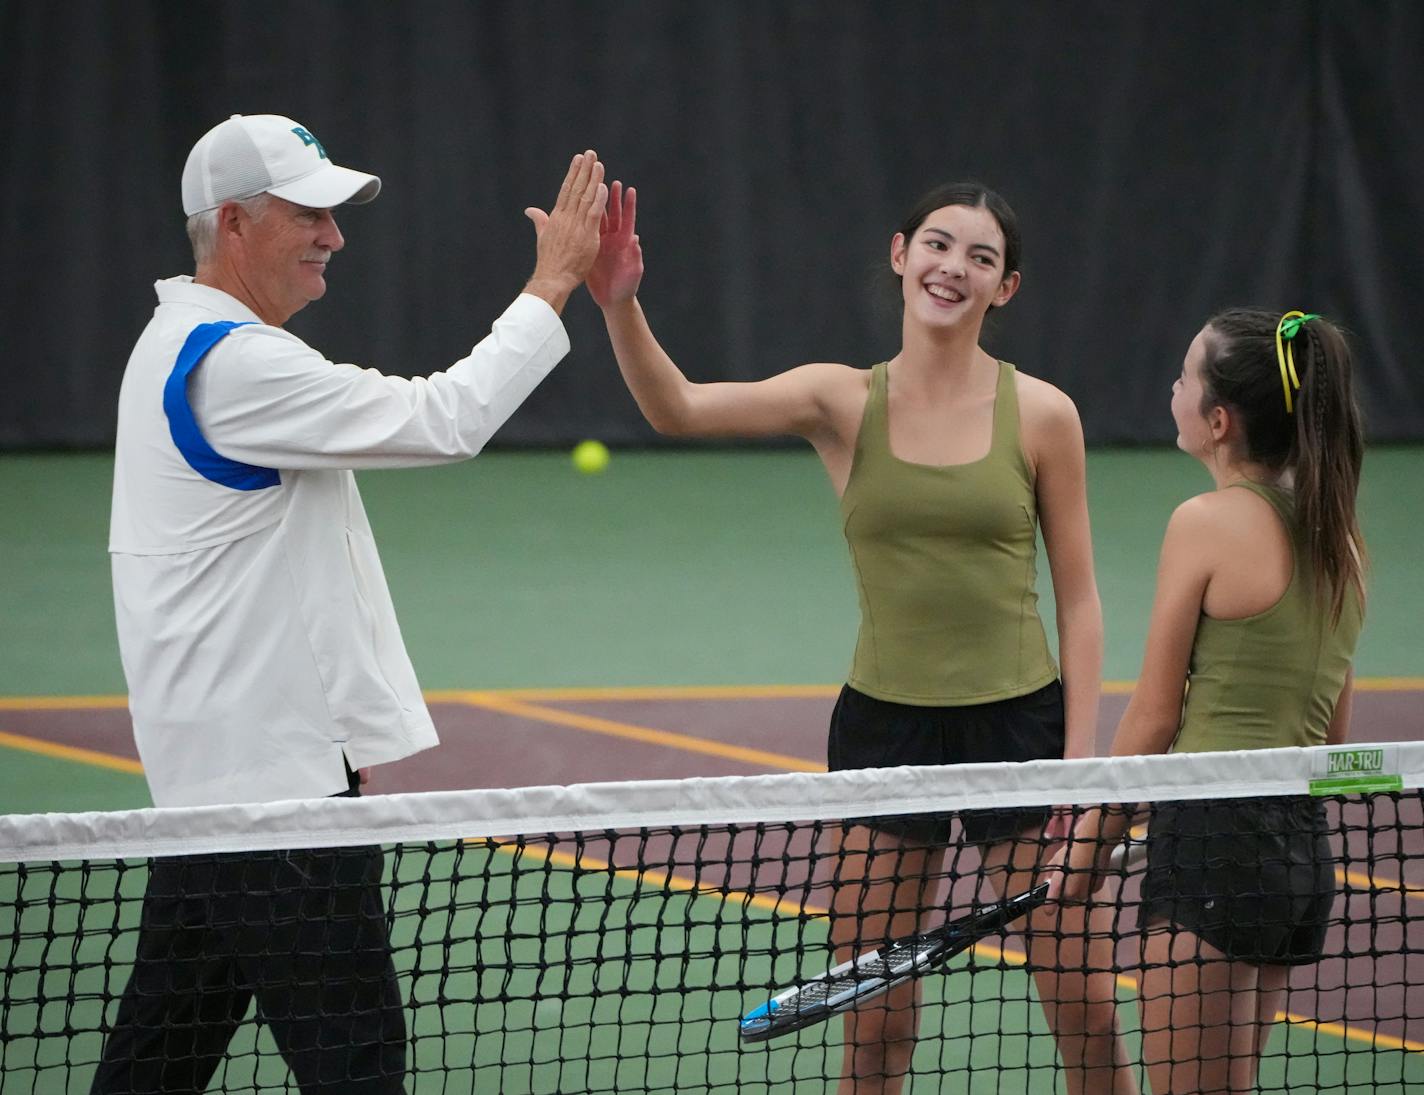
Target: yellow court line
783,905
69,752
495,701
1351,1034
1379,883
641,692
60,703
660,692
1389,684
1362,684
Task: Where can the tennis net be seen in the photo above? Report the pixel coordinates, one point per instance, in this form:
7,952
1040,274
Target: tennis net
628,937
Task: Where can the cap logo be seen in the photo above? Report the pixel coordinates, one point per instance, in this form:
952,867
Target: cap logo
309,140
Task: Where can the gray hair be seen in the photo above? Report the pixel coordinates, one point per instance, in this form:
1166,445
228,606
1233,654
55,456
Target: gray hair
203,227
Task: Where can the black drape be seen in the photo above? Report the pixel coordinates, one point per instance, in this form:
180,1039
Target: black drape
1165,160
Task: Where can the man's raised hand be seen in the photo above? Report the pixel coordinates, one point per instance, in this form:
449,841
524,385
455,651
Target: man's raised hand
568,235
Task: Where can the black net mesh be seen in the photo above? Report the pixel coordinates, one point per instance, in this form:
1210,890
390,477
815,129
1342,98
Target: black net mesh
1283,928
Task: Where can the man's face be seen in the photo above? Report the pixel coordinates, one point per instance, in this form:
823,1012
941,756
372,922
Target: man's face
285,253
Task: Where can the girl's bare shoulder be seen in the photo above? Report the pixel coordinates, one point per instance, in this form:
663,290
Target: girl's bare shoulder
1048,417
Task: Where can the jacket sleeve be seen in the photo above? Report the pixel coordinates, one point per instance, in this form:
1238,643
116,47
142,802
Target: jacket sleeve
264,397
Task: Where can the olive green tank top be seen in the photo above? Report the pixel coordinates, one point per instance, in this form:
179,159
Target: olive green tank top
945,558
1272,679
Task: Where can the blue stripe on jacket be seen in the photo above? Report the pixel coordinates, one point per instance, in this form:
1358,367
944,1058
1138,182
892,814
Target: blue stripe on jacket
201,456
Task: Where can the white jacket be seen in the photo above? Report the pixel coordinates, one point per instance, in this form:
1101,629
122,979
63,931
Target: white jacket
257,633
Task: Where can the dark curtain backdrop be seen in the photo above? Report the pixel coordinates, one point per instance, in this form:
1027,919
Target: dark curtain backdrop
1165,160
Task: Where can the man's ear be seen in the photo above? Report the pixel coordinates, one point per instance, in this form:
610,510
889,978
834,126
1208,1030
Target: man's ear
231,219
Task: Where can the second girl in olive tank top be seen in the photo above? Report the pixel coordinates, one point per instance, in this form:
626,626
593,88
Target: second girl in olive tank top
1258,610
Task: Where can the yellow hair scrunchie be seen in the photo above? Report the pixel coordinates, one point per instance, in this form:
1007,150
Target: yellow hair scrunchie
1286,330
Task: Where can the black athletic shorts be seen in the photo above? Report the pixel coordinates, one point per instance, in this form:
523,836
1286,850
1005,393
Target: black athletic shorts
1253,877
871,733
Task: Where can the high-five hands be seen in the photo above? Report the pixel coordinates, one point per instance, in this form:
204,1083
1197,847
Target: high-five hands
618,270
568,235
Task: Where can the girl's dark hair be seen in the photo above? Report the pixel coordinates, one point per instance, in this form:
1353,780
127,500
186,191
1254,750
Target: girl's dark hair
1321,443
976,196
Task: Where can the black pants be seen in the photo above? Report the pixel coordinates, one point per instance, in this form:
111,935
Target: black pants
303,933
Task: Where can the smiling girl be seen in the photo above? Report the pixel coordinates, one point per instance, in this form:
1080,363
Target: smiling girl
947,462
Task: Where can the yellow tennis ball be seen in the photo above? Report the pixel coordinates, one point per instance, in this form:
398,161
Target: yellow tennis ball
590,457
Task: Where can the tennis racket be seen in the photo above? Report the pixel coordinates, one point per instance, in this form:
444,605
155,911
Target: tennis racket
852,983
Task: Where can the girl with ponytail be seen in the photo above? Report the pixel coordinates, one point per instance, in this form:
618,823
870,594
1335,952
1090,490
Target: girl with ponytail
1259,603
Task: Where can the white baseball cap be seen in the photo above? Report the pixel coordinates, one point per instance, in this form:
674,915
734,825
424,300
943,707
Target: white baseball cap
256,154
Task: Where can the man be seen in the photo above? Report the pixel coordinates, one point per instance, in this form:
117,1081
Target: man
261,649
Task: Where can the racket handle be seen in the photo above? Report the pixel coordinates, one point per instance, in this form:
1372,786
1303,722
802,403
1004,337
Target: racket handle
1132,852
